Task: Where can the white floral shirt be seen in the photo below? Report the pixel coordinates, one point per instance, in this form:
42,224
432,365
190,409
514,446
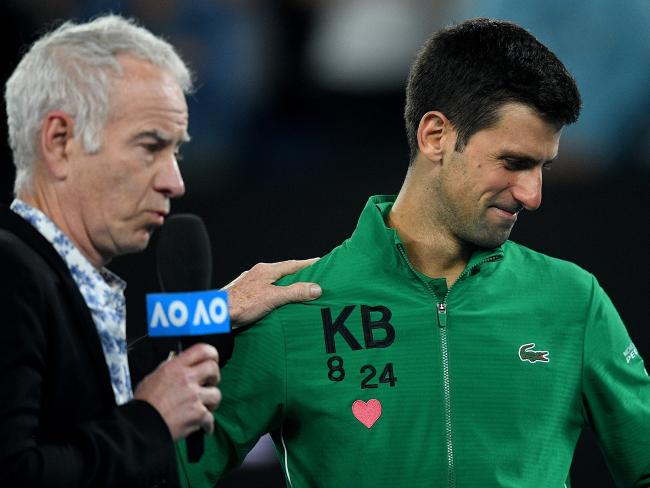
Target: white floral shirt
103,292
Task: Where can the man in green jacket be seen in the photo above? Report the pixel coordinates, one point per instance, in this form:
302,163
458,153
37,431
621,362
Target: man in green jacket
440,353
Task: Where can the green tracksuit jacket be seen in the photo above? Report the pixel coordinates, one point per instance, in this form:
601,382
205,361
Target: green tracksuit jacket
392,380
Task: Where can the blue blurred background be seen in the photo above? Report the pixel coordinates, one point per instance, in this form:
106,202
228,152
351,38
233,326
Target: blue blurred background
298,118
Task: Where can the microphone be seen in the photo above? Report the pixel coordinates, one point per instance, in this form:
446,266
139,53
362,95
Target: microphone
185,309
183,255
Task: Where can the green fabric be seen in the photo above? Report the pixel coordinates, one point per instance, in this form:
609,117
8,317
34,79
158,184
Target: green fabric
504,421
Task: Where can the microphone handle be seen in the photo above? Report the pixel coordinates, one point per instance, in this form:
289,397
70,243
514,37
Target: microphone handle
195,447
194,442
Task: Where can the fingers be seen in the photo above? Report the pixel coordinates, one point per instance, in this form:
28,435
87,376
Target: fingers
282,268
198,353
297,292
183,390
207,423
210,398
253,294
206,373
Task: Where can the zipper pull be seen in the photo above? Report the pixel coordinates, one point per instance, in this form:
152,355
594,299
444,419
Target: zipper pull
442,314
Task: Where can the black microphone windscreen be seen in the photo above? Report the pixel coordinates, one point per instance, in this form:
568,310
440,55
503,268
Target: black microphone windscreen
183,255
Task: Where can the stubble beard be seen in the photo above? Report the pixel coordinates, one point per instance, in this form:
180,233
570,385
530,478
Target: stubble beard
485,234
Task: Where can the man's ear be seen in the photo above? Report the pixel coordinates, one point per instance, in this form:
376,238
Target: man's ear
436,135
57,134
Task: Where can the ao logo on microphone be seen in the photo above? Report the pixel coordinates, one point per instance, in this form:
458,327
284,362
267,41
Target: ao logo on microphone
188,313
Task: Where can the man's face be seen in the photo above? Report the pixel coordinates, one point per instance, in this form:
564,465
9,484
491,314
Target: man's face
122,193
481,190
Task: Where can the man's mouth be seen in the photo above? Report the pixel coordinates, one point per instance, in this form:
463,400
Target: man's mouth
159,216
507,212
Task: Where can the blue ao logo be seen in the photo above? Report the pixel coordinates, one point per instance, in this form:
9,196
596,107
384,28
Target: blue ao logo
188,313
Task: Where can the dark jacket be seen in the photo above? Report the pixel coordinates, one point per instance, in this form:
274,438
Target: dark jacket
59,424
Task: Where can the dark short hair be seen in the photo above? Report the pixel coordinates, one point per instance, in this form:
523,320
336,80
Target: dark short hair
470,70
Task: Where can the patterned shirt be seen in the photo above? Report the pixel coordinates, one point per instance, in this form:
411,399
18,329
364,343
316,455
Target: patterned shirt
103,292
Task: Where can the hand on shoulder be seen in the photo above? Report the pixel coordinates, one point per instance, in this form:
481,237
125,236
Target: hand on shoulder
253,294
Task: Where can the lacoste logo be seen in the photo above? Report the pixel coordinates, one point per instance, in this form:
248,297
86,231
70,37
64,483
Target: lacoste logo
526,353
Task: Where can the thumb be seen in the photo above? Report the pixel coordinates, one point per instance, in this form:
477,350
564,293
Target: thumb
298,292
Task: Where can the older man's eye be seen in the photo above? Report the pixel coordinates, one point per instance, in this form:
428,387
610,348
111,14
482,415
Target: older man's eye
153,147
512,164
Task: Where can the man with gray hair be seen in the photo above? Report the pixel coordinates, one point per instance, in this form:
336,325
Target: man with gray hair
96,115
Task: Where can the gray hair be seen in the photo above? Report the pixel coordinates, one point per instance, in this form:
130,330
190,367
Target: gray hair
72,69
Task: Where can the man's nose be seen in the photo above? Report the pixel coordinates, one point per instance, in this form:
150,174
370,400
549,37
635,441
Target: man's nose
527,190
169,179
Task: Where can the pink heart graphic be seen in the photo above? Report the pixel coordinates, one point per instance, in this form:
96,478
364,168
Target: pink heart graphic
367,413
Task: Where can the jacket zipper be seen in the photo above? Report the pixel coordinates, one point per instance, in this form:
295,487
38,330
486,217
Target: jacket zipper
441,312
441,309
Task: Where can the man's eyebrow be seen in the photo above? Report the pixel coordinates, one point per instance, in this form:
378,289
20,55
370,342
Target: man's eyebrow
159,137
522,158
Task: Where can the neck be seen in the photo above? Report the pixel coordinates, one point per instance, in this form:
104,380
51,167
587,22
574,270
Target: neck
431,249
46,199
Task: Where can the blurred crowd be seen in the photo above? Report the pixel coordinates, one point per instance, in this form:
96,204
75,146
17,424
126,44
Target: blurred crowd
293,87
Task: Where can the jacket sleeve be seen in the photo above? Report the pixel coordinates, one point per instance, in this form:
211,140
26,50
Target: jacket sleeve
616,393
122,446
253,403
